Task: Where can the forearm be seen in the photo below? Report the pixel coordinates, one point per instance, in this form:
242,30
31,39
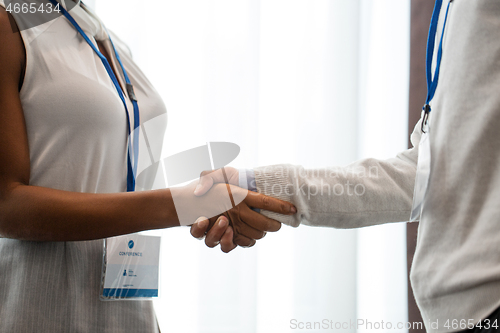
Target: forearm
44,214
364,193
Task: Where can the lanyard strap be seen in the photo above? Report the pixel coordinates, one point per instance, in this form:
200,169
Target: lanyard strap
432,82
131,167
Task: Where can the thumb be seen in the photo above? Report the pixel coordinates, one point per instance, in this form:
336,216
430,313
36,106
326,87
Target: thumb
206,182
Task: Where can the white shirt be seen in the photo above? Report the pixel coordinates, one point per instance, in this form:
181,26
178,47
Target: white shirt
456,269
77,134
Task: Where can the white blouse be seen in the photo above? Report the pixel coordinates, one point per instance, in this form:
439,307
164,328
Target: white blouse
77,133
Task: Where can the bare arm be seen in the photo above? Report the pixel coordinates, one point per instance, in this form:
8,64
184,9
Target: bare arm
43,214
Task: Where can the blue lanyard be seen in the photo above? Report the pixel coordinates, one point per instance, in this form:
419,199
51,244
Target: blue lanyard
131,167
431,40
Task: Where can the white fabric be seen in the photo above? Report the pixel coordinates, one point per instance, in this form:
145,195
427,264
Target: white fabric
77,133
287,80
456,268
89,23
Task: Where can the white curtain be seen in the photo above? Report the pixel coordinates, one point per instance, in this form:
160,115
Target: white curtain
315,83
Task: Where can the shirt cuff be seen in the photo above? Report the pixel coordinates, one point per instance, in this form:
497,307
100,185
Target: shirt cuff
247,181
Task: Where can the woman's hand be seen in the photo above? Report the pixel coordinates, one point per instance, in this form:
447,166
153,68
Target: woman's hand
240,217
220,233
241,225
247,225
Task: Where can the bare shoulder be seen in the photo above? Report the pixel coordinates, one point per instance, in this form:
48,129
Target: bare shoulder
12,53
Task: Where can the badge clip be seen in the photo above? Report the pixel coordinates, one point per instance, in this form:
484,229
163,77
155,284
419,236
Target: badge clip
425,118
131,93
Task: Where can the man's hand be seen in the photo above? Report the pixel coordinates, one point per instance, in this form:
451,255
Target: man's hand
247,224
226,175
216,232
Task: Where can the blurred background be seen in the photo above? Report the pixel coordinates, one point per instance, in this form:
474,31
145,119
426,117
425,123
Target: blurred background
310,82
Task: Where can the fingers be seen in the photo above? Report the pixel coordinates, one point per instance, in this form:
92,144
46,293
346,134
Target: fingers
199,228
243,241
248,231
226,242
258,221
215,234
258,200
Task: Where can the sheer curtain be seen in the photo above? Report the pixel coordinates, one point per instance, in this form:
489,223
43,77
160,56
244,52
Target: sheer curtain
315,83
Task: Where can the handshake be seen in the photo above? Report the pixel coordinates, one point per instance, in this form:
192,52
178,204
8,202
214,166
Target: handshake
225,213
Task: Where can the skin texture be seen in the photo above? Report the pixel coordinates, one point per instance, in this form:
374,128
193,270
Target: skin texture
237,231
230,177
42,214
201,226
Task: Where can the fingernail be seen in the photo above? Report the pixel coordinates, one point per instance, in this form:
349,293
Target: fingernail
293,209
197,189
222,222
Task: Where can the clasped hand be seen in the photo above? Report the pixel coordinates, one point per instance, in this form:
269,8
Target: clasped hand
223,212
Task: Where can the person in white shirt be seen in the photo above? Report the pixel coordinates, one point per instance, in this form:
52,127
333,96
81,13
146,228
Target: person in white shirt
456,268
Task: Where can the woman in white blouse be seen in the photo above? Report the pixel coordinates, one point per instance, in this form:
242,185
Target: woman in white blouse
63,153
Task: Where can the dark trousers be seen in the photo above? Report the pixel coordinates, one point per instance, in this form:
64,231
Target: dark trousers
487,324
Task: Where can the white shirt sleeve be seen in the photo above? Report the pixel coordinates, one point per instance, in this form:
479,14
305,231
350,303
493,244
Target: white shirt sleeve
364,193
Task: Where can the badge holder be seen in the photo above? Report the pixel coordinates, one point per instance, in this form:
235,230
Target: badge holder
130,267
423,169
424,147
